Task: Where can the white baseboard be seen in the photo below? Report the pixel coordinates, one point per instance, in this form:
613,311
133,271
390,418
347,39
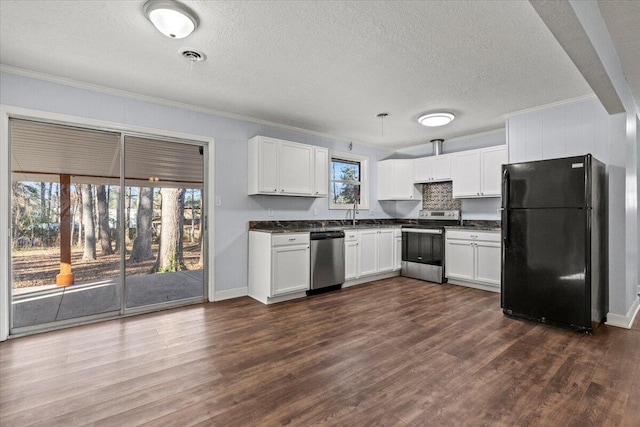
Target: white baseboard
475,285
367,279
231,293
625,321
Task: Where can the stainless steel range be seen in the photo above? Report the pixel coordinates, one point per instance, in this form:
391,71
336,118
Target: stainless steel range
423,245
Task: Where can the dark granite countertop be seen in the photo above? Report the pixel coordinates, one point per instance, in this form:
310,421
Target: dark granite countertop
327,228
472,227
345,225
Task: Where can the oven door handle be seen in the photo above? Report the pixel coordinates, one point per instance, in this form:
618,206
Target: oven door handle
421,230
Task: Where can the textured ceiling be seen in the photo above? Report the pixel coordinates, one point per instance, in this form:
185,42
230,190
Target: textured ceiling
327,67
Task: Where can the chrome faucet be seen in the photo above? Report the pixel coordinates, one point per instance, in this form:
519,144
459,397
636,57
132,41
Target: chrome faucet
355,211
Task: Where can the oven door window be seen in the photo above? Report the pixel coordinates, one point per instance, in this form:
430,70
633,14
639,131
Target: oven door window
422,248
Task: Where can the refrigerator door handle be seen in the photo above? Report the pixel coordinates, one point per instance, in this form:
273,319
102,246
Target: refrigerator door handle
505,205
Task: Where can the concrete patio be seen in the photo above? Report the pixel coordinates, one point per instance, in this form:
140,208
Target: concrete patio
51,303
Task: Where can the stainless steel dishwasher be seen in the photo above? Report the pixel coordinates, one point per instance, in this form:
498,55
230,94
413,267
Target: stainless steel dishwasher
327,259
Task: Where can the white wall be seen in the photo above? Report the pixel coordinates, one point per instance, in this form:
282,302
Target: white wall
231,135
579,128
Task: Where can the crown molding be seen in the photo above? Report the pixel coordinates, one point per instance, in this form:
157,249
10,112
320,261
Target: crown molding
551,105
457,138
183,106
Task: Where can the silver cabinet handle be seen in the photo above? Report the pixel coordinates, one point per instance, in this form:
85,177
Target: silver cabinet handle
293,239
275,189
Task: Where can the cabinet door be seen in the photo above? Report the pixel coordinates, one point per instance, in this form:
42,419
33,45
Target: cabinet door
385,176
492,161
268,165
487,262
321,167
295,168
351,260
386,244
403,187
398,254
441,168
466,174
290,269
459,260
367,252
422,170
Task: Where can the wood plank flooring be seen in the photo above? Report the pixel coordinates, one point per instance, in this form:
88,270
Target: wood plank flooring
396,352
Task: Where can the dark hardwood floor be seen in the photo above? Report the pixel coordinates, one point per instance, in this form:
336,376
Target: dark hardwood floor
392,353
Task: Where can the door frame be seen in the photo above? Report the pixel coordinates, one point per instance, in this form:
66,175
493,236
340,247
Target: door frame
9,111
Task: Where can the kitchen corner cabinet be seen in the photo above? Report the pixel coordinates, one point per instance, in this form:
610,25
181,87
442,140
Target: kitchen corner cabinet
432,169
396,180
477,173
279,265
279,167
473,257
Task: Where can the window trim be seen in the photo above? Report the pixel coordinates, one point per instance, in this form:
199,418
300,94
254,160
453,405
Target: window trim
364,179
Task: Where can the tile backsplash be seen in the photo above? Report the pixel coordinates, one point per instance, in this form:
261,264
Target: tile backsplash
438,195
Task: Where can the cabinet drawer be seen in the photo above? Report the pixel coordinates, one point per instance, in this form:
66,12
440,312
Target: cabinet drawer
289,239
487,236
350,235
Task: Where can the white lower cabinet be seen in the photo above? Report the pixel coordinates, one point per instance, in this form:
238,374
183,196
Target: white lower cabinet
386,245
367,252
350,255
376,251
473,258
397,253
279,265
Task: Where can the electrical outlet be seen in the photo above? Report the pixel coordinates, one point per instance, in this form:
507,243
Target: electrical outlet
371,213
315,211
218,201
270,212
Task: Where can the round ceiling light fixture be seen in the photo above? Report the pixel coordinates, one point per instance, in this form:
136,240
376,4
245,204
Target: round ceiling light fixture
171,18
436,119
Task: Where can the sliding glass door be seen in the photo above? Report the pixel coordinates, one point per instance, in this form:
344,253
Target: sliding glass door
163,213
103,224
64,196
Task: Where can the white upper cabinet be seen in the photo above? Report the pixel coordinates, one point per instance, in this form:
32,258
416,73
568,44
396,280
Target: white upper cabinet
466,174
432,169
491,171
321,168
295,168
396,180
287,168
477,173
266,160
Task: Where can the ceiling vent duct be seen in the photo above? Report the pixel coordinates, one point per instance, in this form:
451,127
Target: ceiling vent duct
437,146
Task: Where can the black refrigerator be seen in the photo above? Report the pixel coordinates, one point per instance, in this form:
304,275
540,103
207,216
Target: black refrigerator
554,244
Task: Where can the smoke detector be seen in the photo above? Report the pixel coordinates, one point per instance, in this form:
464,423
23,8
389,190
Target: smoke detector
193,56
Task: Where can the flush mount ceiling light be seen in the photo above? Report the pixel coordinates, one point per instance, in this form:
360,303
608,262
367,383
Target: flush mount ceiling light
436,119
171,18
